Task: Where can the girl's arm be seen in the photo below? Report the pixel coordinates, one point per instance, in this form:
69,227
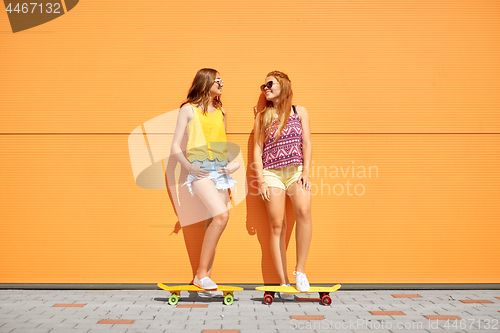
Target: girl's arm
306,147
257,164
224,113
233,163
184,117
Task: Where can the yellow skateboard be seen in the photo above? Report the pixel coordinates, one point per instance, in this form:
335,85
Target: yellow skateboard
324,292
175,292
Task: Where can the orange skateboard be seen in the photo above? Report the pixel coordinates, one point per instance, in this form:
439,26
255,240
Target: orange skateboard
175,292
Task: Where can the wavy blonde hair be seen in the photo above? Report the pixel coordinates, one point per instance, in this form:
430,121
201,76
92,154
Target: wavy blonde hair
283,107
199,93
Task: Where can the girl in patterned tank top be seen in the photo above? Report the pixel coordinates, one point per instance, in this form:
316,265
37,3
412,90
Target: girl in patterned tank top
282,160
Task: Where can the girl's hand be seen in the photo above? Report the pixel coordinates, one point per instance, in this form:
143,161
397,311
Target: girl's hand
230,168
264,191
195,170
305,181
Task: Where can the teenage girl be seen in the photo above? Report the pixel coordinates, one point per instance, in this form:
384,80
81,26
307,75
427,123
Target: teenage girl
206,160
282,156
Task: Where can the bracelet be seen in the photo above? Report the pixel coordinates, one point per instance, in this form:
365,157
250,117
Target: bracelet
261,183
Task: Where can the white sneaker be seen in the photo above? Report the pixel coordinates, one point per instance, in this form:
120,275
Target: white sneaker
205,283
286,296
210,294
301,282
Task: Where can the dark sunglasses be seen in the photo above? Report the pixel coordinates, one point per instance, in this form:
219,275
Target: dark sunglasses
268,85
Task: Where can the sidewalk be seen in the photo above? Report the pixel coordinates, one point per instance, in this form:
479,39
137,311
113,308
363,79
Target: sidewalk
87,311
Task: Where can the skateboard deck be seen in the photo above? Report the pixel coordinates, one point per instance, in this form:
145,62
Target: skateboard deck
175,292
324,292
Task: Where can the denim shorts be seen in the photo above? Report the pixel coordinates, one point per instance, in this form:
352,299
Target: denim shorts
221,181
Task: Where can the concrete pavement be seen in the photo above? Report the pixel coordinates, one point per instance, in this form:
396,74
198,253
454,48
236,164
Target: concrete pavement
130,311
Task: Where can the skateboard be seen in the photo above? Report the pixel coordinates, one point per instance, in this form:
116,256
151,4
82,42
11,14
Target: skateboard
175,292
324,292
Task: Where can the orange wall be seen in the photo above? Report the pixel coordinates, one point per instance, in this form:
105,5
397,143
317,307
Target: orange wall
411,88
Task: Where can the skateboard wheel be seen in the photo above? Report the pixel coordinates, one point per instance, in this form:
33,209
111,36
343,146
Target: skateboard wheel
228,299
268,299
326,299
173,299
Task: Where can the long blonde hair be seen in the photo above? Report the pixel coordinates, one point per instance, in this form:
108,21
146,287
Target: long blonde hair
199,93
284,107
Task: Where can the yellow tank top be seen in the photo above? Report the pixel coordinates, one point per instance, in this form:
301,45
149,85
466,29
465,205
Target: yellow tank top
206,136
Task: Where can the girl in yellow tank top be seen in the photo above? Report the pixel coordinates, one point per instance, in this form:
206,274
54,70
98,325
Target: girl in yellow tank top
207,136
206,160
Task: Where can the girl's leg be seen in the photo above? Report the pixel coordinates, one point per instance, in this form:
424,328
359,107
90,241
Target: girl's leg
301,200
210,264
283,249
225,197
276,213
212,199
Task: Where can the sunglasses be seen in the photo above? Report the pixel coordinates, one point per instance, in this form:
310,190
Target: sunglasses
268,85
219,82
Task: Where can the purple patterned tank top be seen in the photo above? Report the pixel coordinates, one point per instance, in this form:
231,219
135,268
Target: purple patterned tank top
287,150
